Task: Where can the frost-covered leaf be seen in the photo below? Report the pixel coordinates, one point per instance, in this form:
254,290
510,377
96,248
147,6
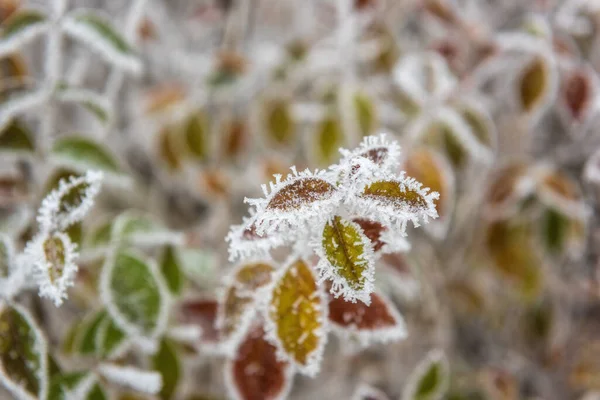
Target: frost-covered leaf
23,354
481,125
167,363
433,171
20,28
108,338
579,92
97,32
510,185
70,202
379,321
20,103
95,103
297,199
559,191
245,241
170,266
82,154
54,269
279,123
80,385
134,294
328,138
15,137
378,149
256,372
399,199
143,381
512,251
373,230
201,312
535,85
430,379
238,306
143,229
346,259
87,342
296,317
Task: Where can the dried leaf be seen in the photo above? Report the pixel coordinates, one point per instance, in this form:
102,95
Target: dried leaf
347,260
23,354
379,321
296,317
430,379
256,372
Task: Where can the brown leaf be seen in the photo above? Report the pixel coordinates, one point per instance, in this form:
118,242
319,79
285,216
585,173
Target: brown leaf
255,373
201,312
301,192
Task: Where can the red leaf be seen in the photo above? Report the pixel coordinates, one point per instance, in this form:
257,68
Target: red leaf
372,230
201,312
379,322
255,373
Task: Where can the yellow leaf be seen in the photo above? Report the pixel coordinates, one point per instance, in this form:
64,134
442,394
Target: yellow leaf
534,84
280,126
297,316
365,113
346,259
329,138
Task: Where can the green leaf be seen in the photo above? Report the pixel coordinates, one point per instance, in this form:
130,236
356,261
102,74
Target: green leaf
97,32
20,21
365,113
139,229
555,230
348,264
512,252
108,338
279,122
23,354
329,138
88,339
135,298
196,136
62,383
166,362
84,154
429,380
6,254
15,137
170,266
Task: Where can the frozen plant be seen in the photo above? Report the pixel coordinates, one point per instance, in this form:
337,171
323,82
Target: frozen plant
347,215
